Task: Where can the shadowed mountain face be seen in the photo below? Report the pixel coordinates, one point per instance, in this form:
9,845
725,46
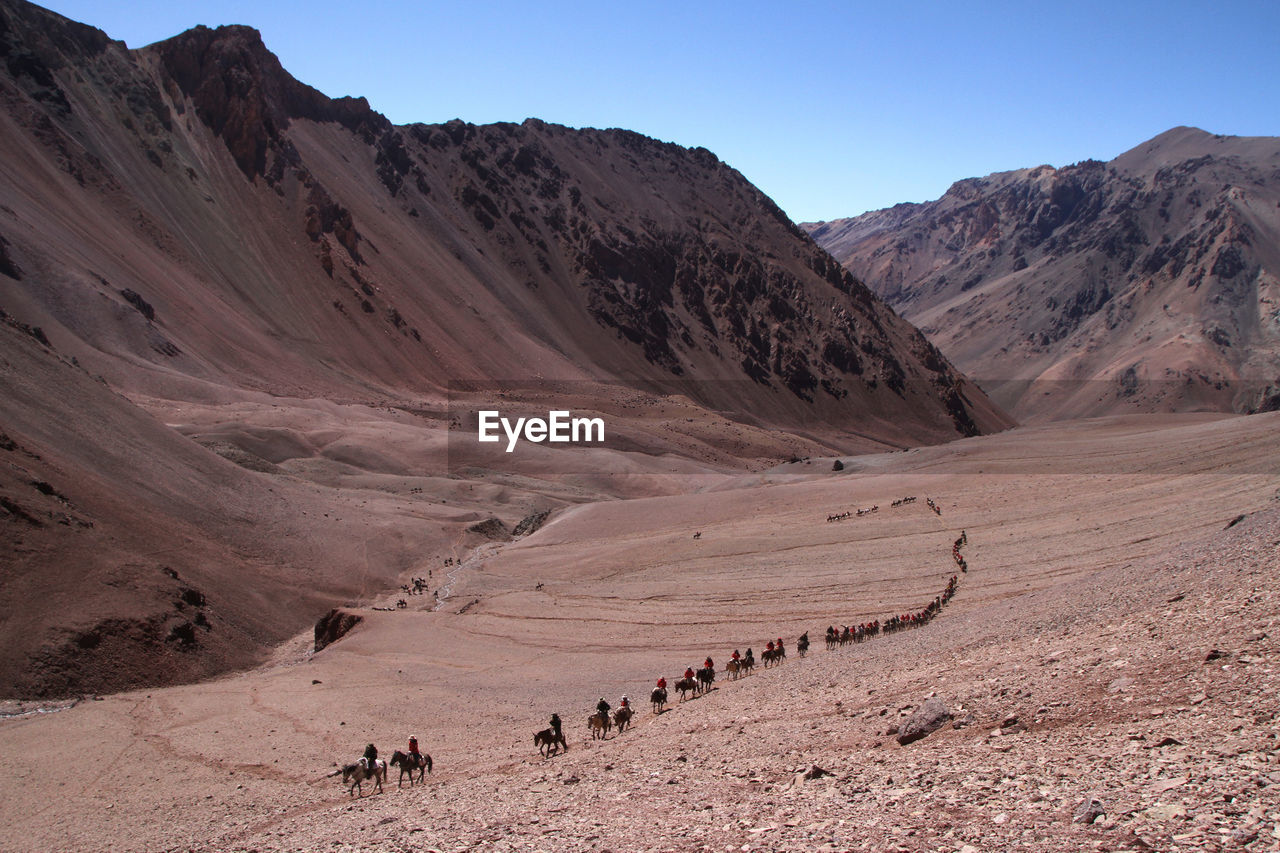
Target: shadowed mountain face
194,245
1149,283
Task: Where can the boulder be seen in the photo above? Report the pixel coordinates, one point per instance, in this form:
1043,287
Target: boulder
925,720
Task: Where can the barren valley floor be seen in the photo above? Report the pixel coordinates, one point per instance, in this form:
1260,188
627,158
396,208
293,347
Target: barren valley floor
1112,639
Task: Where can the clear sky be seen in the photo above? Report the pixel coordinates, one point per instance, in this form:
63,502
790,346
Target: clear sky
830,108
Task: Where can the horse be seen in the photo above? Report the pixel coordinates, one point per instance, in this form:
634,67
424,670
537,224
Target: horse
686,685
802,646
548,741
409,762
706,675
622,718
734,668
599,725
769,656
745,665
354,775
658,698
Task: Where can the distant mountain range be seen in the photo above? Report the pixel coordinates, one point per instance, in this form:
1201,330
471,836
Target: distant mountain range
1149,283
195,245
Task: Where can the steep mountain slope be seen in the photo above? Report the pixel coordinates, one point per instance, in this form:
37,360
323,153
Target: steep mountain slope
1149,283
339,253
194,245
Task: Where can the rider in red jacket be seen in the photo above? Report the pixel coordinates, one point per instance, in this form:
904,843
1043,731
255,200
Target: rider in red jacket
688,672
662,684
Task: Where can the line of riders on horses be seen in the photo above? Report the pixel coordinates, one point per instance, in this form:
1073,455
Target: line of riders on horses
697,682
700,681
867,630
551,739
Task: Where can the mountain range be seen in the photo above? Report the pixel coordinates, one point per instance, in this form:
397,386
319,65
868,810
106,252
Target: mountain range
1147,283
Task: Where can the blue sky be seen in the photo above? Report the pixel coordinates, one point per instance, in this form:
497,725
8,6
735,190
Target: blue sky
830,108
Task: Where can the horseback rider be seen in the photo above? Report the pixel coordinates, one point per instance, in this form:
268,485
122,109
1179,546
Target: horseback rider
735,656
413,750
602,708
370,757
555,724
662,683
708,663
624,704
769,646
688,672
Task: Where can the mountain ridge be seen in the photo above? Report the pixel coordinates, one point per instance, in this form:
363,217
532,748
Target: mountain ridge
1078,291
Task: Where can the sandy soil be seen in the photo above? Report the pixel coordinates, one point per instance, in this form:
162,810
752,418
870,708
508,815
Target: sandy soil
1101,577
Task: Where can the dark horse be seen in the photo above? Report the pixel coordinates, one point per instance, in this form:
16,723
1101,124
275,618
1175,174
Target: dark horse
354,775
408,762
548,741
659,698
706,675
685,685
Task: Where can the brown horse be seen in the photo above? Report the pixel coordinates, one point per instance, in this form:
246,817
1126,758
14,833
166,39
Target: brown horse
354,775
686,685
622,718
599,725
548,741
408,762
734,668
659,698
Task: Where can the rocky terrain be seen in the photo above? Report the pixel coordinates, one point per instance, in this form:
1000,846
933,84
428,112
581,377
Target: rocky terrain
1113,639
243,323
1147,283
